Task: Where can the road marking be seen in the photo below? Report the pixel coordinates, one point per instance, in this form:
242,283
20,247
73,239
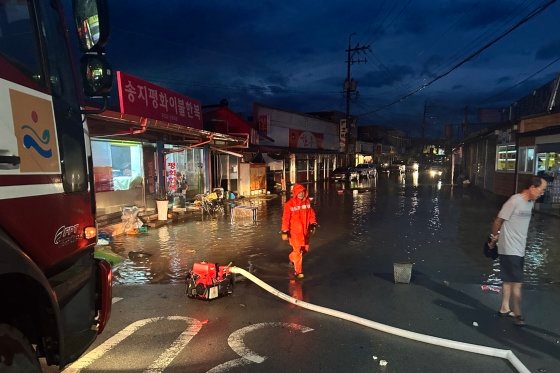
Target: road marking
248,356
171,353
88,359
115,300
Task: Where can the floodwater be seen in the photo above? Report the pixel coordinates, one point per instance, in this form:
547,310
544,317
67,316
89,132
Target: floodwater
364,228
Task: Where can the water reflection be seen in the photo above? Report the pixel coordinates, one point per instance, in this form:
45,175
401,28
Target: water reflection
295,289
439,229
415,178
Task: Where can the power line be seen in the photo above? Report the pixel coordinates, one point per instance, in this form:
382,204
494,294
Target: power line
489,32
467,59
522,81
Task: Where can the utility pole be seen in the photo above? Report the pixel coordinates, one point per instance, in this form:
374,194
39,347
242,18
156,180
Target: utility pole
350,85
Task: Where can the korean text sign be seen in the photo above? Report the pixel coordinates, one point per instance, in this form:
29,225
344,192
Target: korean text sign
142,98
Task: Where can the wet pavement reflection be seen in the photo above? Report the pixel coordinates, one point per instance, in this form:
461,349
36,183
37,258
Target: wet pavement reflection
365,226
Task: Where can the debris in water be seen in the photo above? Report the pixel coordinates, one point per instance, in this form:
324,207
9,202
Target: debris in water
133,255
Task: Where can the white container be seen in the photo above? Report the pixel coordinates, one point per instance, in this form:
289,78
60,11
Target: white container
402,272
162,209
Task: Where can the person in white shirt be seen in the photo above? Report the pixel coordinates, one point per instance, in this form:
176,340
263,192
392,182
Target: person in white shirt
509,231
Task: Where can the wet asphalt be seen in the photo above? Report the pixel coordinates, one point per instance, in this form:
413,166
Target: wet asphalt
364,230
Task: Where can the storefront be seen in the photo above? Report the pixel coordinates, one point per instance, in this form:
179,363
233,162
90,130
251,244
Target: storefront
226,164
539,154
309,146
154,146
130,168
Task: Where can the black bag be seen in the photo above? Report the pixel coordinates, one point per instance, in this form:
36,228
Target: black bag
490,252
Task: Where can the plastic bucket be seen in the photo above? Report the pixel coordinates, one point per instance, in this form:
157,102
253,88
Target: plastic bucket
402,272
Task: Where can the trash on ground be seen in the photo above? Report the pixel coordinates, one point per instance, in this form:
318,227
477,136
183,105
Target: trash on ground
103,238
130,220
136,255
102,242
494,288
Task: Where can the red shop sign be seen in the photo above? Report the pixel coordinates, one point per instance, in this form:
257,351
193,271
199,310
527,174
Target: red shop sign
142,98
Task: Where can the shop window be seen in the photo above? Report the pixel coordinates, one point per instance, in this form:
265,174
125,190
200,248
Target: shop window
116,165
547,163
505,158
526,161
185,170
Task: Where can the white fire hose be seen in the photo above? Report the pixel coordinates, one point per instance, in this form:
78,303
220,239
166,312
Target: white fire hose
462,346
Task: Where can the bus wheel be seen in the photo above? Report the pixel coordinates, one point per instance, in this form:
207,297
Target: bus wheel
16,353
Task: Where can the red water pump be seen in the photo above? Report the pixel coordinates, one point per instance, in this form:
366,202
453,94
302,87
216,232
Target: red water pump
209,281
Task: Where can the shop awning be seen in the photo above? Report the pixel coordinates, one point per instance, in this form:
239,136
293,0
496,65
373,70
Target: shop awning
112,124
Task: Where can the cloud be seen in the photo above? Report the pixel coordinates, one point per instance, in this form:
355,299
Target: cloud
387,77
291,54
548,51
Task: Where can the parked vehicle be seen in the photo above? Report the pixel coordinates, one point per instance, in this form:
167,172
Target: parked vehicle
435,170
366,170
344,174
383,167
397,167
412,166
56,296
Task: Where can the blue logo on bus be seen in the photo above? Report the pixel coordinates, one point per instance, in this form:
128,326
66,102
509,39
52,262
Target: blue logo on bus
33,140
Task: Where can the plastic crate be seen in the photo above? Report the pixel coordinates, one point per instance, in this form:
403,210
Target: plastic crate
244,212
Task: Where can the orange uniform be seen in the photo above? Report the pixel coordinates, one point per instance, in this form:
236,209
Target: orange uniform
298,221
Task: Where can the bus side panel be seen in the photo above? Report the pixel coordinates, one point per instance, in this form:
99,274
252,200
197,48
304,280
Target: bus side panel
49,228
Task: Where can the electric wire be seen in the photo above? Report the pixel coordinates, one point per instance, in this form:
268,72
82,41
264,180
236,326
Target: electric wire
467,59
498,94
389,19
484,35
487,34
458,55
372,29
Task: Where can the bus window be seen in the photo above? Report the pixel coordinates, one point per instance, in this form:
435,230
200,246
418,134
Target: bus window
16,30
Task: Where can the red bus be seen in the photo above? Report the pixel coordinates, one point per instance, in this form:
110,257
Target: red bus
55,297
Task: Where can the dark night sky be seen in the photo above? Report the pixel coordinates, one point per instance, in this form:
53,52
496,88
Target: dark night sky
292,54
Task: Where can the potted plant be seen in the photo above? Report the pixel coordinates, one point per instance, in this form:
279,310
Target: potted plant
162,203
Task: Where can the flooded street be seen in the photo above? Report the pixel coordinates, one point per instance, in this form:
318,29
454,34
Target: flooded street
348,302
438,228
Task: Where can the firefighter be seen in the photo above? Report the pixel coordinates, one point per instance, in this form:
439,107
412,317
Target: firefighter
298,223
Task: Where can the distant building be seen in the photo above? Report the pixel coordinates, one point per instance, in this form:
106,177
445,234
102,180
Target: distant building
502,158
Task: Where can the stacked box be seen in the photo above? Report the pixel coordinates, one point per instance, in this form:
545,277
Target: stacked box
244,212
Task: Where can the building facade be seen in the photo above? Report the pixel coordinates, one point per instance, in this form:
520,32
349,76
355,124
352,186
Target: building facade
502,159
